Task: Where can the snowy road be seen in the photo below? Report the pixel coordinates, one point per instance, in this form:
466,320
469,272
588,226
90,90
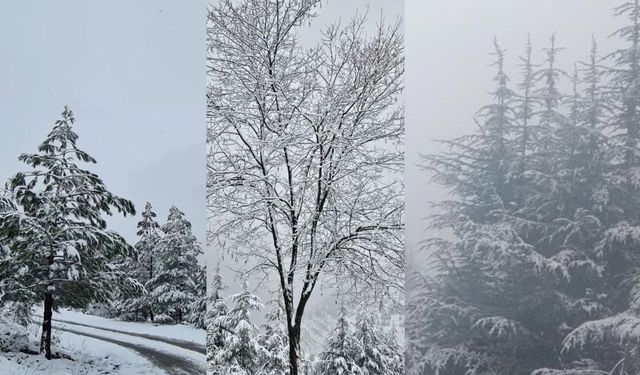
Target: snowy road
179,343
172,355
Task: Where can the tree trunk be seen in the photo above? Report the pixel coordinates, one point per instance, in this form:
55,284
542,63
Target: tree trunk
294,350
45,339
150,278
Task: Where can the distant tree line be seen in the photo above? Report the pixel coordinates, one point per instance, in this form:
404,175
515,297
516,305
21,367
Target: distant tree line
541,275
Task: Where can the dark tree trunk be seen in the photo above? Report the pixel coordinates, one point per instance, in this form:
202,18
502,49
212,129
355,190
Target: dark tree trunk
45,339
294,350
150,278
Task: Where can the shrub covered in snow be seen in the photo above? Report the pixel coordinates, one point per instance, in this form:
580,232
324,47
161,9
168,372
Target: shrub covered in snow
15,337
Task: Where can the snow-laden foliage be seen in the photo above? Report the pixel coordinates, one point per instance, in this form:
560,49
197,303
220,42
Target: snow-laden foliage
15,337
216,318
274,354
341,351
197,314
143,268
305,160
362,348
177,282
381,354
240,352
538,272
60,250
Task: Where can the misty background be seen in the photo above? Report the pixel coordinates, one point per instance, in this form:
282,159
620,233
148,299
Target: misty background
133,73
449,73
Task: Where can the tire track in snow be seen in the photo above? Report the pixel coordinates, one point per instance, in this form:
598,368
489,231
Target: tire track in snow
175,342
172,364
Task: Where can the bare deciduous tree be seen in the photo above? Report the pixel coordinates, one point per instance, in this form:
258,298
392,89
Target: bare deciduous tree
305,151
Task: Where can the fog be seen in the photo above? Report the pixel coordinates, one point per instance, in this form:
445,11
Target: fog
448,46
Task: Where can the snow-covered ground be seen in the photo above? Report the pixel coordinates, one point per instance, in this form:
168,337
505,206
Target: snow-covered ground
90,357
104,346
178,331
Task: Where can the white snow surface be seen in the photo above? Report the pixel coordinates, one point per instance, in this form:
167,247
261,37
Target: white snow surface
178,331
92,356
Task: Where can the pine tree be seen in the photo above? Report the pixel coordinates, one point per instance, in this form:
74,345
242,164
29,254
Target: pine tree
198,308
63,253
143,268
546,285
341,351
380,353
241,351
273,343
625,75
175,285
611,341
217,311
506,290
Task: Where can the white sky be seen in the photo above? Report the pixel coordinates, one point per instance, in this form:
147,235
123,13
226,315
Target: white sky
448,46
133,73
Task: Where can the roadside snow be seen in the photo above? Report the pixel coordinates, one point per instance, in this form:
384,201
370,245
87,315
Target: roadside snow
94,356
179,331
198,359
89,357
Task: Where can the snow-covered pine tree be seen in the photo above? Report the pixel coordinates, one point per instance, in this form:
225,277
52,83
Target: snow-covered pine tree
611,342
487,157
217,311
143,268
198,309
380,354
273,343
574,215
341,351
63,253
625,73
15,302
175,285
240,353
497,299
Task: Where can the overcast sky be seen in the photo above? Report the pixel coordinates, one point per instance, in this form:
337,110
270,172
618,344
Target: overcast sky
133,73
448,46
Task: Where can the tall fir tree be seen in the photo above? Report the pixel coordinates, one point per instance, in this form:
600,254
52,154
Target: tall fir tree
341,352
380,354
198,309
63,253
547,285
240,353
273,343
175,285
217,311
143,268
611,341
500,299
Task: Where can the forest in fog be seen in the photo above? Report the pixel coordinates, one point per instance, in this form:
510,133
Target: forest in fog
534,265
